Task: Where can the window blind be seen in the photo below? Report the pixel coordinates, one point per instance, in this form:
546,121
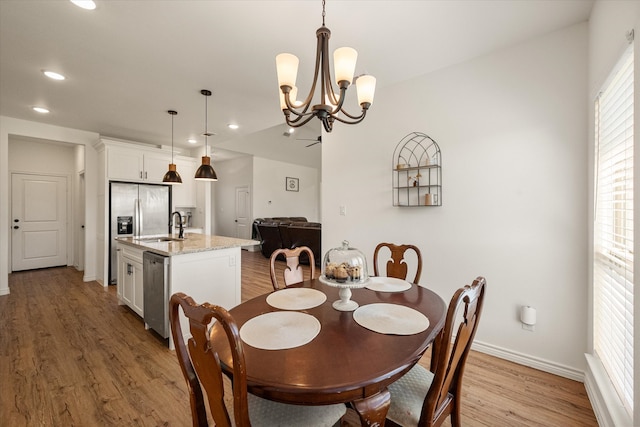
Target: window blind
613,229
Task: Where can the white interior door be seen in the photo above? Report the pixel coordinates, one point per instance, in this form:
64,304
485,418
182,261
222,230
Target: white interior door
80,222
243,213
38,221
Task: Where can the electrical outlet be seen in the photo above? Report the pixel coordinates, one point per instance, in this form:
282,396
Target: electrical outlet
343,210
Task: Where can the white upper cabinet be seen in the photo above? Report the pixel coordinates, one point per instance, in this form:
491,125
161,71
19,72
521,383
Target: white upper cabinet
184,195
127,164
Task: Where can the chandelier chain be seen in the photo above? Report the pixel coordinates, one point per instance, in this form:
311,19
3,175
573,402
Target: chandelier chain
323,12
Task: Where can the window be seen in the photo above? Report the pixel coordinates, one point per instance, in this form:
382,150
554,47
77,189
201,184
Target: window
613,229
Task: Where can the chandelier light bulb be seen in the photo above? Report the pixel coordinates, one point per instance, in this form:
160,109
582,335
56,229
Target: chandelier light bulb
287,69
366,88
344,62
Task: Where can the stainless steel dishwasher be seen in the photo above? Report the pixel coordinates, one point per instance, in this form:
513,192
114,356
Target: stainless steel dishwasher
155,269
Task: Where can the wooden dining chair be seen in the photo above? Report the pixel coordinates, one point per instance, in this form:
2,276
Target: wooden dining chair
200,365
293,272
397,265
427,397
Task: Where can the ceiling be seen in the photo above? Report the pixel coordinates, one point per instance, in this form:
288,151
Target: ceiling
128,62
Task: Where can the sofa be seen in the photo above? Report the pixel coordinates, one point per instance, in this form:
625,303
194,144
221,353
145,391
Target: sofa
288,232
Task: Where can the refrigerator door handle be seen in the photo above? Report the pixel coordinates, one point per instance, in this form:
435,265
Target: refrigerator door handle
140,217
136,220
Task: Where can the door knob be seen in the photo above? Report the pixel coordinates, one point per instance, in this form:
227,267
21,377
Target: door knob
16,220
15,227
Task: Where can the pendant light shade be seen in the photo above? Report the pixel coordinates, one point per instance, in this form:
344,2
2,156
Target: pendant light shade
205,172
172,176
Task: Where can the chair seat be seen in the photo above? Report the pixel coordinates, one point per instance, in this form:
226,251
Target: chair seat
407,396
267,413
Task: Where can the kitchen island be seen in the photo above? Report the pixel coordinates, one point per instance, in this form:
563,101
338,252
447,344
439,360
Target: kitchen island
207,268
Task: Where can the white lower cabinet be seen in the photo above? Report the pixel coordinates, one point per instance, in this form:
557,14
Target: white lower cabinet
207,276
130,284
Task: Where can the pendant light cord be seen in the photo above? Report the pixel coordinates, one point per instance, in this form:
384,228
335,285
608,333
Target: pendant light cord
206,127
172,137
323,13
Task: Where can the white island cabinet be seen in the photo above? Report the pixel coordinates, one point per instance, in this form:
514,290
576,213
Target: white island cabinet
129,286
207,268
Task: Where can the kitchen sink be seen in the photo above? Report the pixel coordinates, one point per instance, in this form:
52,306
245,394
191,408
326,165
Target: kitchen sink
160,239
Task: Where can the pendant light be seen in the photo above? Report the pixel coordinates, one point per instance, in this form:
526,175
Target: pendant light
172,176
205,172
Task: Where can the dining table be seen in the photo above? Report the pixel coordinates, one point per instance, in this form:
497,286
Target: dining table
344,362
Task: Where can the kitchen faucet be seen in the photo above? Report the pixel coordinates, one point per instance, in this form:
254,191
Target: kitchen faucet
181,233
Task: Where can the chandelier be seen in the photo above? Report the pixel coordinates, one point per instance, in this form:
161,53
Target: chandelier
330,107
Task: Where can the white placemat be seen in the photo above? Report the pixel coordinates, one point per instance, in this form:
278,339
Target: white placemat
392,319
279,330
387,284
296,298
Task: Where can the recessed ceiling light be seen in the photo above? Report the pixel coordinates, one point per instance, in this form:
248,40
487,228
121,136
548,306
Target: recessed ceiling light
233,126
291,130
85,4
53,75
191,141
40,110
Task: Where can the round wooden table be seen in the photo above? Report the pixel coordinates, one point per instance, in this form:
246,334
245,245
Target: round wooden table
345,363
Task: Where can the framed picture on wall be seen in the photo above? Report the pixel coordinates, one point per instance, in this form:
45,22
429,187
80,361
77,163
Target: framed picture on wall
292,184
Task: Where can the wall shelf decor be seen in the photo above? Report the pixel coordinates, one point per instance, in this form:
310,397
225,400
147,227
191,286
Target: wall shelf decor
417,171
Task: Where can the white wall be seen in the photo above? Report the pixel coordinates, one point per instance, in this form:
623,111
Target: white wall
512,128
270,197
608,24
10,126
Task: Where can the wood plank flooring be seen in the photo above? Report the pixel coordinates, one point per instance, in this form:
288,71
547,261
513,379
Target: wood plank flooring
71,356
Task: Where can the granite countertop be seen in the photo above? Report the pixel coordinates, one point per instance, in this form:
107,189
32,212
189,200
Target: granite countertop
192,243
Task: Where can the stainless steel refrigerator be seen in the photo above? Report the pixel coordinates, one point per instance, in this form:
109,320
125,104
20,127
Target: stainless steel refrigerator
136,210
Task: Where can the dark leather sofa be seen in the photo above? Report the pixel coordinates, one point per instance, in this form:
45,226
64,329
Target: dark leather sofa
288,232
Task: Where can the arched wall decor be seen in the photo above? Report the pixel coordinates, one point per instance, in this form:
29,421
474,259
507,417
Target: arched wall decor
417,171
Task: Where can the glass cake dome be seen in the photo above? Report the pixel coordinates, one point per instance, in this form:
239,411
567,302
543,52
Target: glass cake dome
344,266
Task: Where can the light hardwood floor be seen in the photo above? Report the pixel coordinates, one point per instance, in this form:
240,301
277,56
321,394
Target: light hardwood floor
71,356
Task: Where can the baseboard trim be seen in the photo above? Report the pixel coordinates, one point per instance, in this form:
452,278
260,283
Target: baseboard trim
606,404
4,291
86,278
527,360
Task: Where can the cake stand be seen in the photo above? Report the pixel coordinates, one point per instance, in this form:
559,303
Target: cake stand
345,303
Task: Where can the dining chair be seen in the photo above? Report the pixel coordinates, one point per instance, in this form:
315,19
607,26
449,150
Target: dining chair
200,365
425,397
293,272
397,265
